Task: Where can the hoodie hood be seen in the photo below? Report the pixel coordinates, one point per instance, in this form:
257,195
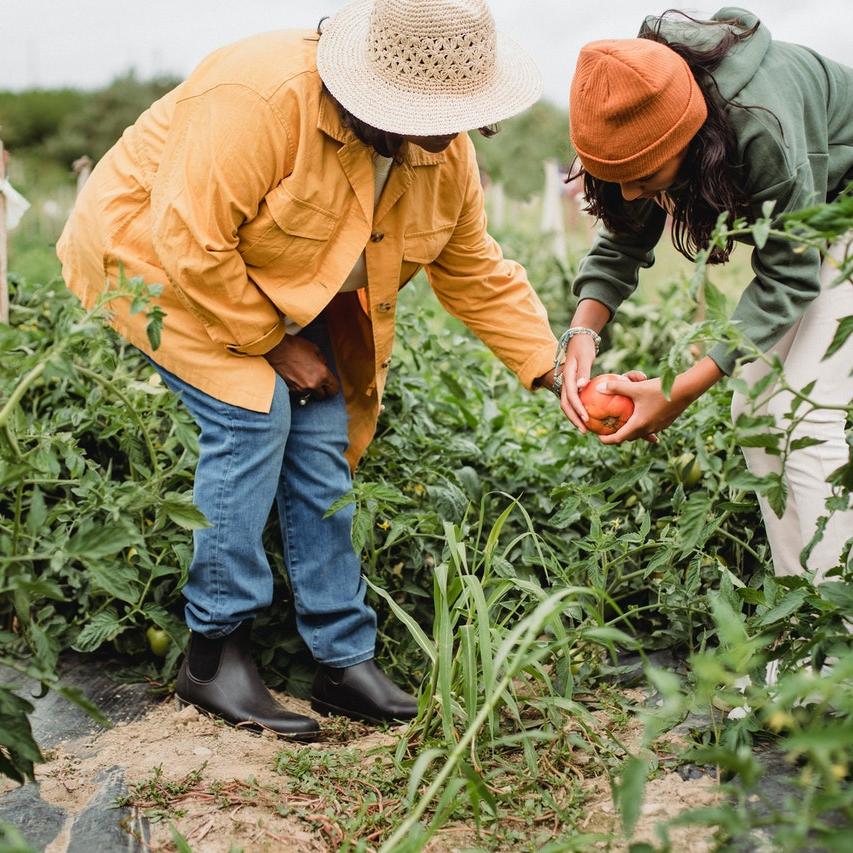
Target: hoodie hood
740,64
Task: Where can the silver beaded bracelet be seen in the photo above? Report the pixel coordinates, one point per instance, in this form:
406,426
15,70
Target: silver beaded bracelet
557,385
580,330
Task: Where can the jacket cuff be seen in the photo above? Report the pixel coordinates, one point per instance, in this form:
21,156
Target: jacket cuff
262,345
537,365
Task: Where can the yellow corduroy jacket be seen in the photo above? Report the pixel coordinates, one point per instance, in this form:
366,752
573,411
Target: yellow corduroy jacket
242,194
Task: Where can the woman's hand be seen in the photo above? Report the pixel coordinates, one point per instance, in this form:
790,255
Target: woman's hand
301,364
652,411
580,356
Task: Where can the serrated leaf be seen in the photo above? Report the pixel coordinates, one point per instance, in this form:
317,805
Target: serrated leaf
769,441
101,628
154,329
842,333
185,514
693,519
93,541
838,593
37,515
788,605
118,580
715,302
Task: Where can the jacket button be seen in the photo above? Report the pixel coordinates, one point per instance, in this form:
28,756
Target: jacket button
383,307
386,364
377,237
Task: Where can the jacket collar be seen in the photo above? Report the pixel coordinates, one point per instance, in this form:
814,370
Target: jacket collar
329,122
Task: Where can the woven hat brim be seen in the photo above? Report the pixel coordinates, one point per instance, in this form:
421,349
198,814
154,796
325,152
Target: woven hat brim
344,67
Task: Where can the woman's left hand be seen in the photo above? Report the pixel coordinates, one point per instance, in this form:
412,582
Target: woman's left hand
652,411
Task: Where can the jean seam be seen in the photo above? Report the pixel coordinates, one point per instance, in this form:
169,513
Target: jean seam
217,563
291,554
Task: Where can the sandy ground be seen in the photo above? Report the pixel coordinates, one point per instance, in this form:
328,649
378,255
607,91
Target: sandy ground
243,813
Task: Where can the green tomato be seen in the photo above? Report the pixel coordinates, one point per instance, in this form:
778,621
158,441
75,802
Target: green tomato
158,641
688,470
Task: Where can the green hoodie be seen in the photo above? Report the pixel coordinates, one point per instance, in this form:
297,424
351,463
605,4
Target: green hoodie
804,158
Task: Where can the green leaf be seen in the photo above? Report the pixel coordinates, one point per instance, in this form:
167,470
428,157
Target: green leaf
668,376
631,791
418,771
36,587
760,232
715,302
180,842
838,593
776,492
806,441
788,605
842,333
119,581
38,512
185,514
730,624
693,520
154,329
78,698
101,628
93,541
11,841
606,635
19,752
414,629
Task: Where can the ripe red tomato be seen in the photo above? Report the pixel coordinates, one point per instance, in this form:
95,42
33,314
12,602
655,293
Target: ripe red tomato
607,412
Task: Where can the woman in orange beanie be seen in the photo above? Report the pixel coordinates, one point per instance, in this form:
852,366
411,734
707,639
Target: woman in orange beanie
696,119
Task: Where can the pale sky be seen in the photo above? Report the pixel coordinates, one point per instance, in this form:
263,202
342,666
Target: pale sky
86,43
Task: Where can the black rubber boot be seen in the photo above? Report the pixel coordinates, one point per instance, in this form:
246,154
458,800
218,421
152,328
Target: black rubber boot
361,692
233,689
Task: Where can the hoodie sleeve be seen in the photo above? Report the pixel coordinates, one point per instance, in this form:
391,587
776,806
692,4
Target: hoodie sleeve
610,271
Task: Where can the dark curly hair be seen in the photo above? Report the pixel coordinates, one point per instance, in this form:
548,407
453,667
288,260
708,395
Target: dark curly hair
710,179
383,143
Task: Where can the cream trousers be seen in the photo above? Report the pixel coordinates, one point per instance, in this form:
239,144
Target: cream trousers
801,351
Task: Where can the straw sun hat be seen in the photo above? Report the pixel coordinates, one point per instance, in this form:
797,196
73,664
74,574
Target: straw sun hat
425,67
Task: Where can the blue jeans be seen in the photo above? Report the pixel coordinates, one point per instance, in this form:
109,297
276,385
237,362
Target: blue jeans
293,456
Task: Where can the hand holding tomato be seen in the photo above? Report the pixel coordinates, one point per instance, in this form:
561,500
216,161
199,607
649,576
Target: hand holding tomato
651,410
608,413
580,355
587,421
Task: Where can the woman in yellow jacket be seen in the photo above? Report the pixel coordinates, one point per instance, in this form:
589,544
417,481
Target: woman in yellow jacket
281,196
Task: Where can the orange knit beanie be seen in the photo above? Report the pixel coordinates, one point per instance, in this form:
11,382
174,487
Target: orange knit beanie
634,104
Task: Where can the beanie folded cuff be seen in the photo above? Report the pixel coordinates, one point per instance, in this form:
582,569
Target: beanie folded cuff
651,158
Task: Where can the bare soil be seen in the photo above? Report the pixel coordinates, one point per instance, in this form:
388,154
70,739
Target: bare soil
243,802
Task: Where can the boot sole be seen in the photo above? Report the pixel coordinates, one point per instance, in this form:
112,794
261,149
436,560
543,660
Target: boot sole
251,725
329,710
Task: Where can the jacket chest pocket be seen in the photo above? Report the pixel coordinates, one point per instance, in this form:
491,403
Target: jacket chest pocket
289,232
421,248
